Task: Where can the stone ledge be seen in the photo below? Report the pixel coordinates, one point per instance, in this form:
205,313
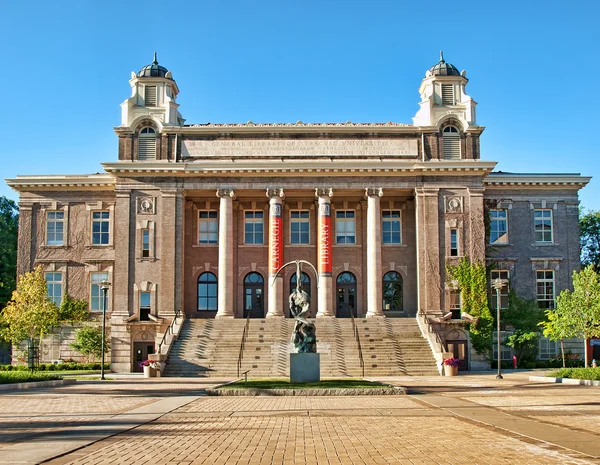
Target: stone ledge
571,381
391,391
37,384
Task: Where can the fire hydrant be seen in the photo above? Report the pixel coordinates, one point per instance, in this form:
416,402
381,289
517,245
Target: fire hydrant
515,362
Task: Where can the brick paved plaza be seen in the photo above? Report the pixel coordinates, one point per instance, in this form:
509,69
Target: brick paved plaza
467,419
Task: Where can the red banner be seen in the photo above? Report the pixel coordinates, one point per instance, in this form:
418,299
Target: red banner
324,240
275,244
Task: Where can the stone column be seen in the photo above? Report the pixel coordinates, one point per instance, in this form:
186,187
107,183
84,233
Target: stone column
225,289
27,238
275,305
123,232
324,253
374,283
171,251
476,250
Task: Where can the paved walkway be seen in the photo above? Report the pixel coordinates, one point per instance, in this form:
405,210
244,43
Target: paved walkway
469,419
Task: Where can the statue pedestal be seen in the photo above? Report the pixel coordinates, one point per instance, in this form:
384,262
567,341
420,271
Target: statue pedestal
305,368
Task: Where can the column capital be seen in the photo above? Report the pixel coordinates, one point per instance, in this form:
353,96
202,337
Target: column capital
275,192
324,192
373,191
225,193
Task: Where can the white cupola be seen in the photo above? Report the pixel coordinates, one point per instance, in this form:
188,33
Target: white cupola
153,95
443,97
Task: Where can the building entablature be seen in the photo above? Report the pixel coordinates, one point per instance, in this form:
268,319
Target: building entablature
58,182
525,180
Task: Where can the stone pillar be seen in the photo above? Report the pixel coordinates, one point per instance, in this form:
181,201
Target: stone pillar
324,253
122,285
27,238
476,250
225,290
171,213
428,249
374,283
275,304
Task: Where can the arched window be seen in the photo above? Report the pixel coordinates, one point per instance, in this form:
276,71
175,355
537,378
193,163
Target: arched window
451,143
346,295
392,292
253,295
305,283
207,292
147,144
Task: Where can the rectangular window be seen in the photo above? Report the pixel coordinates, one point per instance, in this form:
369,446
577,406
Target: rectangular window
145,242
545,289
345,228
208,227
498,227
505,351
543,225
96,294
144,306
55,223
454,242
547,349
150,96
254,227
299,227
447,94
100,228
54,285
455,304
499,274
391,230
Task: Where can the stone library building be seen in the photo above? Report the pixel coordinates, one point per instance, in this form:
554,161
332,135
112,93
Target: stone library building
195,220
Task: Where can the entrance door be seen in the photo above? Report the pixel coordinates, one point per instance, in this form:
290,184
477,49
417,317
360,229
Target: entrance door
141,350
253,296
346,295
459,349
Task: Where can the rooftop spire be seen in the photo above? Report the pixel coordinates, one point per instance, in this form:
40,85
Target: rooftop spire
441,56
155,62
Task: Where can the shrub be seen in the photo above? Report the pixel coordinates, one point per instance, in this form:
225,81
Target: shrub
577,373
24,377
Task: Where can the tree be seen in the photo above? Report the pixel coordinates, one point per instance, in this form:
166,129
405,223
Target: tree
559,327
88,342
522,316
9,223
73,310
589,238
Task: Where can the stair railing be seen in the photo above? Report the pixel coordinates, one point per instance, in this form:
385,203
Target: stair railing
431,329
243,344
169,332
357,337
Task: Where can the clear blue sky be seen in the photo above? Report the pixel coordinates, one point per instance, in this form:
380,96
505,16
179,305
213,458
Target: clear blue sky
533,68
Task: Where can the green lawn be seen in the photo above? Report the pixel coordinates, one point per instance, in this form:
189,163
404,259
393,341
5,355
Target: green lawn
8,377
284,383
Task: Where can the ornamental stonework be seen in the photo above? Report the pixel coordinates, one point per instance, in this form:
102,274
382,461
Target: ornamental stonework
454,204
146,206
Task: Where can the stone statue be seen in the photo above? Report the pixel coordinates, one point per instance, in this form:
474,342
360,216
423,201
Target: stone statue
304,336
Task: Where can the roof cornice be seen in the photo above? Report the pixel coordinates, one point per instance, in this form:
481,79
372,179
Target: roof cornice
507,180
62,181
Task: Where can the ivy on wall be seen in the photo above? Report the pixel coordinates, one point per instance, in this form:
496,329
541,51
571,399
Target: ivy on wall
471,278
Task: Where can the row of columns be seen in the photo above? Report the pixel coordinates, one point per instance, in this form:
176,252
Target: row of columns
324,267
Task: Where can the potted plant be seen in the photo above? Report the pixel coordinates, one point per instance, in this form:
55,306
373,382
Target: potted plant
150,367
451,366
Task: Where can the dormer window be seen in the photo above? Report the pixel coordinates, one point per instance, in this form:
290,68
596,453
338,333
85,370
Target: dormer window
147,144
451,143
150,96
448,94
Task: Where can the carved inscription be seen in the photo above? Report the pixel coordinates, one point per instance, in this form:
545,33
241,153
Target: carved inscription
300,148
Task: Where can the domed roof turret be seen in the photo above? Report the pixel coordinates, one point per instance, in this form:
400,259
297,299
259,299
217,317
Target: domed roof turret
154,70
443,69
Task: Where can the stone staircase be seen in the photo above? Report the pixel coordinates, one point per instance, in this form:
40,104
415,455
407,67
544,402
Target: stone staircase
390,347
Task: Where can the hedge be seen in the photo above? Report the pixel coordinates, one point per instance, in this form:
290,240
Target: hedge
71,366
577,373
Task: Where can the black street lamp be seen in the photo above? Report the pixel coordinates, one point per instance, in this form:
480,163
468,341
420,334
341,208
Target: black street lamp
498,284
104,285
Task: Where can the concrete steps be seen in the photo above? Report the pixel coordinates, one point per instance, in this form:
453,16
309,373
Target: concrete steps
391,347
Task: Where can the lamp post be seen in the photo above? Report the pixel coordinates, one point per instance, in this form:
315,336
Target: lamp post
104,285
498,284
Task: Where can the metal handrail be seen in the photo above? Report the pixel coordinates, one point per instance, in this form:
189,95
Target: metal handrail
243,344
433,330
168,331
357,337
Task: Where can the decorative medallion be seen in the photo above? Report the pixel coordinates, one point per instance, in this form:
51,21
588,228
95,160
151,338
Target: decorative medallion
146,206
454,205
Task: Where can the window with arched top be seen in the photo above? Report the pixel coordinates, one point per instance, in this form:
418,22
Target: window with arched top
393,292
207,292
147,144
451,143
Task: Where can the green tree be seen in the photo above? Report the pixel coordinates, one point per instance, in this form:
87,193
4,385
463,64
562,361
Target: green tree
9,223
88,342
523,317
589,238
73,310
558,327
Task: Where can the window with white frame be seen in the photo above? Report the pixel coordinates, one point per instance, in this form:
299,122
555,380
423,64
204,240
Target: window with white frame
542,221
96,294
454,242
545,289
454,298
345,227
145,242
448,94
254,227
299,227
451,143
499,274
208,231
505,351
145,306
391,227
54,285
101,227
498,226
207,292
55,225
547,349
150,96
147,144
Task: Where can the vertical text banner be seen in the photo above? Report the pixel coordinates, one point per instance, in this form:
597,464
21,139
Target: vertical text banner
325,262
275,238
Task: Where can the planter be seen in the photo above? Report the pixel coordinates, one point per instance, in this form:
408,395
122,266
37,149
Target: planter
149,372
450,370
